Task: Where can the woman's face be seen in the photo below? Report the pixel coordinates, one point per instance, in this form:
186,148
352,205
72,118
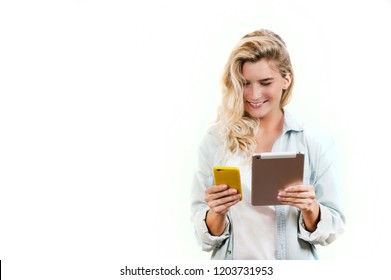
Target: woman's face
263,87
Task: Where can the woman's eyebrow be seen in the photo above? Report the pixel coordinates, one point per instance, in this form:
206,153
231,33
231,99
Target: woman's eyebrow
266,79
263,80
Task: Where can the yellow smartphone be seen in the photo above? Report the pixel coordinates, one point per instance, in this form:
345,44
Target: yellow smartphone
229,176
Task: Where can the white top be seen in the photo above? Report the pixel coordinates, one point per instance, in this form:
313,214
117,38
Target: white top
255,235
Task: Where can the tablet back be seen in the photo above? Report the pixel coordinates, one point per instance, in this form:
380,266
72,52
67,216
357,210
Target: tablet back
272,172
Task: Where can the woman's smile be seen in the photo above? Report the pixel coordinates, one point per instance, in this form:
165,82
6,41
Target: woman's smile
257,104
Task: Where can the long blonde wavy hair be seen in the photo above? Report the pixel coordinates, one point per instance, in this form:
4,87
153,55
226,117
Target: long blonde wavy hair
238,128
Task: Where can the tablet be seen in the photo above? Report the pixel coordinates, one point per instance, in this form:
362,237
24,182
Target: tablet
272,172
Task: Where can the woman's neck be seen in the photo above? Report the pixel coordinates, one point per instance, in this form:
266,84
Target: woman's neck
272,122
270,129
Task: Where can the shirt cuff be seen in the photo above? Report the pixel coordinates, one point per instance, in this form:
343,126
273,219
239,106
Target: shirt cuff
204,234
324,227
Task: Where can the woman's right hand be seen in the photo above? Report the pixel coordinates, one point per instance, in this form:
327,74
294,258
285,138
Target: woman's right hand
219,199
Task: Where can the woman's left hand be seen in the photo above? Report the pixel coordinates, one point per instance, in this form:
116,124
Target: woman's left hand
302,197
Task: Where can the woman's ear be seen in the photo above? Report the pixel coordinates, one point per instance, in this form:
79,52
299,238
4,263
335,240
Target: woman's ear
287,80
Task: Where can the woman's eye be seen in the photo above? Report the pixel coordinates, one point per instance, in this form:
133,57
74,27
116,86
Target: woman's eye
246,84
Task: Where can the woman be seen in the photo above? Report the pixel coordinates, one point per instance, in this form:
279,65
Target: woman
257,84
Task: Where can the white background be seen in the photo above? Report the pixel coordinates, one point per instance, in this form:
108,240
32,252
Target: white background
103,105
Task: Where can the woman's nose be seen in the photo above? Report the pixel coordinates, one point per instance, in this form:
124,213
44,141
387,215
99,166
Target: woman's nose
255,91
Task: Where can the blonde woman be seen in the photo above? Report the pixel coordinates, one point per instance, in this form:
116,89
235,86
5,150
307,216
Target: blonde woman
257,84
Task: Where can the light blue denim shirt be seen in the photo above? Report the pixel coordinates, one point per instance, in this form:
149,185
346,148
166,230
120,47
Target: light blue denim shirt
293,240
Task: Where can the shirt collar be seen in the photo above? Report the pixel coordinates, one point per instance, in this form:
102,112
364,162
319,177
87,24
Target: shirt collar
291,124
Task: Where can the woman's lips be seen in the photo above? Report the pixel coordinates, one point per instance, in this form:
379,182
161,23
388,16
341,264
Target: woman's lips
256,105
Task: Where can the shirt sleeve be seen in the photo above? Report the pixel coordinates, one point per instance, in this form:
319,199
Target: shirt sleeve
329,196
203,178
207,241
